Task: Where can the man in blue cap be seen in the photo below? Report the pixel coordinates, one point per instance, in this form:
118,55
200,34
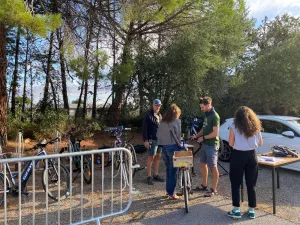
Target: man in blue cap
150,126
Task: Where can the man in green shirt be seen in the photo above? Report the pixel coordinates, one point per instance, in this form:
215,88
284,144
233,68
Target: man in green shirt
209,137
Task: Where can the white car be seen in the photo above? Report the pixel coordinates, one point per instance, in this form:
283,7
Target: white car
277,130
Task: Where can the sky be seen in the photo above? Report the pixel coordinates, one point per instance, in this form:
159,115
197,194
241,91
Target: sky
271,8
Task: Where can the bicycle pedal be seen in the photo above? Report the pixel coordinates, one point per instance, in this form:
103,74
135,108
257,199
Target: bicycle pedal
135,166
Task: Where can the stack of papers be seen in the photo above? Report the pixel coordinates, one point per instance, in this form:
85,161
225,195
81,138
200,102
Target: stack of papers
268,159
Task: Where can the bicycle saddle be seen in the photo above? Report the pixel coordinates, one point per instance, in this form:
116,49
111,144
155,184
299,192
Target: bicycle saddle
42,143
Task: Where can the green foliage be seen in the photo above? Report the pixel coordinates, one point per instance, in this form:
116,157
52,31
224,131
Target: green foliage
15,13
50,122
198,60
149,10
80,66
86,128
123,72
15,124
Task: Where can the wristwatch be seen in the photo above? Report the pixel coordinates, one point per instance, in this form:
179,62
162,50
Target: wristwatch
203,137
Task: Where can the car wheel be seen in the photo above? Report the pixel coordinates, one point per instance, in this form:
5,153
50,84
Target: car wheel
225,152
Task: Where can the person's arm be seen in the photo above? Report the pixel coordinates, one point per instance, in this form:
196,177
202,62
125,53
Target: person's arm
260,140
231,137
213,134
145,132
198,135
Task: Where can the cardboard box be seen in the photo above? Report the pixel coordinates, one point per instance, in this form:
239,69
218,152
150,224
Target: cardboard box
183,159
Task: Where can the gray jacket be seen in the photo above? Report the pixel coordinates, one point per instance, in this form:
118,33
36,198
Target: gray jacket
164,136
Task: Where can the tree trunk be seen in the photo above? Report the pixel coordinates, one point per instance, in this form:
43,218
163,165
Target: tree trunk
103,108
15,74
3,94
96,76
31,95
120,85
79,100
46,89
53,93
25,77
86,87
94,108
62,69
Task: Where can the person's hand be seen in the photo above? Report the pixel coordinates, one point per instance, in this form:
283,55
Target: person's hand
200,139
147,144
193,137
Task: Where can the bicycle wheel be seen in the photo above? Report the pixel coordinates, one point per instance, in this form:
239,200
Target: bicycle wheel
2,188
52,181
185,191
134,158
87,169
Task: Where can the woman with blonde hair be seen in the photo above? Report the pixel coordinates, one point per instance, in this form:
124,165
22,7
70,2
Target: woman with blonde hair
168,137
244,137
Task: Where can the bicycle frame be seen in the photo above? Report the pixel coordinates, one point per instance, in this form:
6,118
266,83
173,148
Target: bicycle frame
27,171
189,183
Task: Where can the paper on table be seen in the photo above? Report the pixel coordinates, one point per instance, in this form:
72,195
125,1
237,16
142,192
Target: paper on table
268,159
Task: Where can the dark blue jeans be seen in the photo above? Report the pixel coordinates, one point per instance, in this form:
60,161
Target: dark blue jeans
171,172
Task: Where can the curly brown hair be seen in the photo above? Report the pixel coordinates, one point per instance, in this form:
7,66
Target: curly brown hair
172,114
247,122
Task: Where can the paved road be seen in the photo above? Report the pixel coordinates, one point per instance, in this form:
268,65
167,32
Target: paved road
211,213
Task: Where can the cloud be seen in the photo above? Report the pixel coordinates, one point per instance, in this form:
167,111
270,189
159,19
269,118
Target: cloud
272,8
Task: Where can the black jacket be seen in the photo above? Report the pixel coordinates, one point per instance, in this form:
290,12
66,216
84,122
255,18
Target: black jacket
150,126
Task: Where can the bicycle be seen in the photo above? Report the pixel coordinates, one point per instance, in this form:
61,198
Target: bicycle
191,127
184,160
50,178
118,133
74,146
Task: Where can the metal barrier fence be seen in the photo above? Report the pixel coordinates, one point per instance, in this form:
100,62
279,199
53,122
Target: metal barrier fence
82,203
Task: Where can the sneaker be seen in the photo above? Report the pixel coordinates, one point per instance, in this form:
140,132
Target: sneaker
251,214
150,181
158,178
235,213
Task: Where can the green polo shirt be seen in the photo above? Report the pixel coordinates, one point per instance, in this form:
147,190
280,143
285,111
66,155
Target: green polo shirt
211,119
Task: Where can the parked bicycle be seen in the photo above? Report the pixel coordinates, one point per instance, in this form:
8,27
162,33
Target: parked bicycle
121,133
184,160
74,146
50,178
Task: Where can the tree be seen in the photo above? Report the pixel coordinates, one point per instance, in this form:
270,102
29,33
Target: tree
271,77
16,13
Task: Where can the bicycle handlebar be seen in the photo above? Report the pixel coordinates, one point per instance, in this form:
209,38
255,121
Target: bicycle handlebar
38,145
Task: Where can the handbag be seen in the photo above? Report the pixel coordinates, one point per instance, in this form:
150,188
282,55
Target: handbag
282,151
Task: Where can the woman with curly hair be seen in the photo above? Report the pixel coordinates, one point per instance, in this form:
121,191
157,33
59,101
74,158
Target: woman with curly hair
168,137
244,137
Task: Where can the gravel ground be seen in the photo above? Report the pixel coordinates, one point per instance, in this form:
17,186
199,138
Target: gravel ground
150,205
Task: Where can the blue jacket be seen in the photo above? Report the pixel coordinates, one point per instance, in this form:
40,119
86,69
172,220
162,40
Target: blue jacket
150,126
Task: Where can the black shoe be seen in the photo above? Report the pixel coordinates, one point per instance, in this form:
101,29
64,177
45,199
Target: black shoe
150,181
158,178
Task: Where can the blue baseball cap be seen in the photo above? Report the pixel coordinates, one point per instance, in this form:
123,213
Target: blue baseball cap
157,102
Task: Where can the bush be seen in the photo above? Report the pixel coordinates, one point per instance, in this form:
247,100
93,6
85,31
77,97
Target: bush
50,122
86,128
15,124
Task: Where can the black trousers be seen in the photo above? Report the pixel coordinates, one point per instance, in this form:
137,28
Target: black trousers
243,162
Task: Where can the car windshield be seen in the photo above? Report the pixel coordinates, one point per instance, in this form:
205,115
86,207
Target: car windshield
295,123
